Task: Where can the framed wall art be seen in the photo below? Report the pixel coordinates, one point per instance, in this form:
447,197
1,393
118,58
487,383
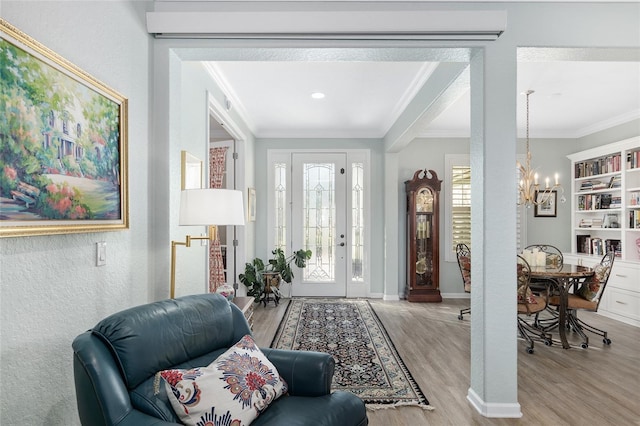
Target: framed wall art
547,204
63,144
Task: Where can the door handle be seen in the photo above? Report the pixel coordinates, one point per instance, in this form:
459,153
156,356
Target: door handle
341,244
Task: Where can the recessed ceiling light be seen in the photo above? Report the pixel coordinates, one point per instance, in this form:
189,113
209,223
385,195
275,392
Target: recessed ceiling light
317,95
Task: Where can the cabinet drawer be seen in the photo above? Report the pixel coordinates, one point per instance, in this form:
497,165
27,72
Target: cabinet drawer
623,303
624,277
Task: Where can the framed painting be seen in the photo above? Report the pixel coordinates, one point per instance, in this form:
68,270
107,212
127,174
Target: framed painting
63,144
191,171
546,204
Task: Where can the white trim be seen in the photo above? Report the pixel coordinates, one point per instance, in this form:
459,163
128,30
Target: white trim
451,160
605,313
456,295
276,156
354,289
230,94
496,410
218,111
334,24
387,297
607,149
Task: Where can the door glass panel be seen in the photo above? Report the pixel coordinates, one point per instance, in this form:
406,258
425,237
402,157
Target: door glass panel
280,197
319,213
357,221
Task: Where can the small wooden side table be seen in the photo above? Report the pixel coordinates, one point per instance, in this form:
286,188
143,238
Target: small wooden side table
246,306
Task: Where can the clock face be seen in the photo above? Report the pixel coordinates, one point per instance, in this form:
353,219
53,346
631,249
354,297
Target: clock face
424,201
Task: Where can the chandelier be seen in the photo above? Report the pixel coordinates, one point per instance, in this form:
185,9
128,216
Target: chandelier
529,191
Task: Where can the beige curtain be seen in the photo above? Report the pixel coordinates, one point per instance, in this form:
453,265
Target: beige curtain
217,161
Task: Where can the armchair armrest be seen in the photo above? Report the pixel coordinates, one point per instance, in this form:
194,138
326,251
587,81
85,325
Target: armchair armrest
307,373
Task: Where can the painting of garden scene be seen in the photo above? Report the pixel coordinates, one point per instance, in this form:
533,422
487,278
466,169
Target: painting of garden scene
60,143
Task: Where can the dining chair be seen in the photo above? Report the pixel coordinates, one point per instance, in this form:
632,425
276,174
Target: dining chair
553,260
553,255
530,303
587,297
463,253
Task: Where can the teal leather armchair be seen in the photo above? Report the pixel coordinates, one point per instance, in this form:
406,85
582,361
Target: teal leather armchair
115,364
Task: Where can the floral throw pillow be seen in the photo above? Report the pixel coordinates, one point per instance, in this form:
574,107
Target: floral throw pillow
233,390
590,288
465,267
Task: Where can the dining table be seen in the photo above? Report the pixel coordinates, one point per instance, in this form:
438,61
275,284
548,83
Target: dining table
565,277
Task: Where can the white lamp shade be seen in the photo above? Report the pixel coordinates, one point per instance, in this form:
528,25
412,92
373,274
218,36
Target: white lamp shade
211,206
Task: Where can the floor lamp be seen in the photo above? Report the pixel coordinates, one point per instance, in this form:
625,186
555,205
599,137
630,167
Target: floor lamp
207,207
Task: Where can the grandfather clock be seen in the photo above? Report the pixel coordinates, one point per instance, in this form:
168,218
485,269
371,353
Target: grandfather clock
423,253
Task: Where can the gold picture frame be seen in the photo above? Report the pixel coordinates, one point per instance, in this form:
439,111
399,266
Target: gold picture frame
64,170
191,171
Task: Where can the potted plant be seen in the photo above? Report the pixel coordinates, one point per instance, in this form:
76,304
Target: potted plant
261,278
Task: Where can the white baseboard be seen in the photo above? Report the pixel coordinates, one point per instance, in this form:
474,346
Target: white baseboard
456,295
496,410
617,317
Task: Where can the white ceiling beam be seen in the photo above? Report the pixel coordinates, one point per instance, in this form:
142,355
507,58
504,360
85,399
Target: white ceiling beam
352,25
445,85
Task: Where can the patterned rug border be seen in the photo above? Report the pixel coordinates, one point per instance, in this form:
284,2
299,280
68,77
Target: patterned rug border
377,404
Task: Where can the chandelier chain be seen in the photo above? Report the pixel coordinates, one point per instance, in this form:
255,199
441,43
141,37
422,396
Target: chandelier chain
530,192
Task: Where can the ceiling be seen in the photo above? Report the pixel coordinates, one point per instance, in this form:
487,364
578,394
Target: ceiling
363,99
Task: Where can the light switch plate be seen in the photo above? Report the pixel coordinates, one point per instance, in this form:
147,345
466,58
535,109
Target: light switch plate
101,253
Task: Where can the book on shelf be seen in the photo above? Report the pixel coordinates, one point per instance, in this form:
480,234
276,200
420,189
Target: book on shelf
599,185
599,202
614,246
616,182
597,246
616,202
586,185
633,159
583,244
634,219
593,185
598,166
589,202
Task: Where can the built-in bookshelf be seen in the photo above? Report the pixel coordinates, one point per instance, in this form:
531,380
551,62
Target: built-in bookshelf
606,200
605,216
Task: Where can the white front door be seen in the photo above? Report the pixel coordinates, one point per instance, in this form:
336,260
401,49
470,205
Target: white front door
319,222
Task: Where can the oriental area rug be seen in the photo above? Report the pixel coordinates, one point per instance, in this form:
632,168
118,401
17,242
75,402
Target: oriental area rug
367,363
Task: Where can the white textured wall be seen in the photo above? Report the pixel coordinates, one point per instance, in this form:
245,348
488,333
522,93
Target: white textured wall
50,288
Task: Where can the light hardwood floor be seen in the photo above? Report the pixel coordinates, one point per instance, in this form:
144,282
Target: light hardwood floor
595,386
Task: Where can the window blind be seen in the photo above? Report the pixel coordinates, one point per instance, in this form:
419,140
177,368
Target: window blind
461,205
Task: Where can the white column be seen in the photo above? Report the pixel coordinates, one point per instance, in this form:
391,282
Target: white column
394,273
494,383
